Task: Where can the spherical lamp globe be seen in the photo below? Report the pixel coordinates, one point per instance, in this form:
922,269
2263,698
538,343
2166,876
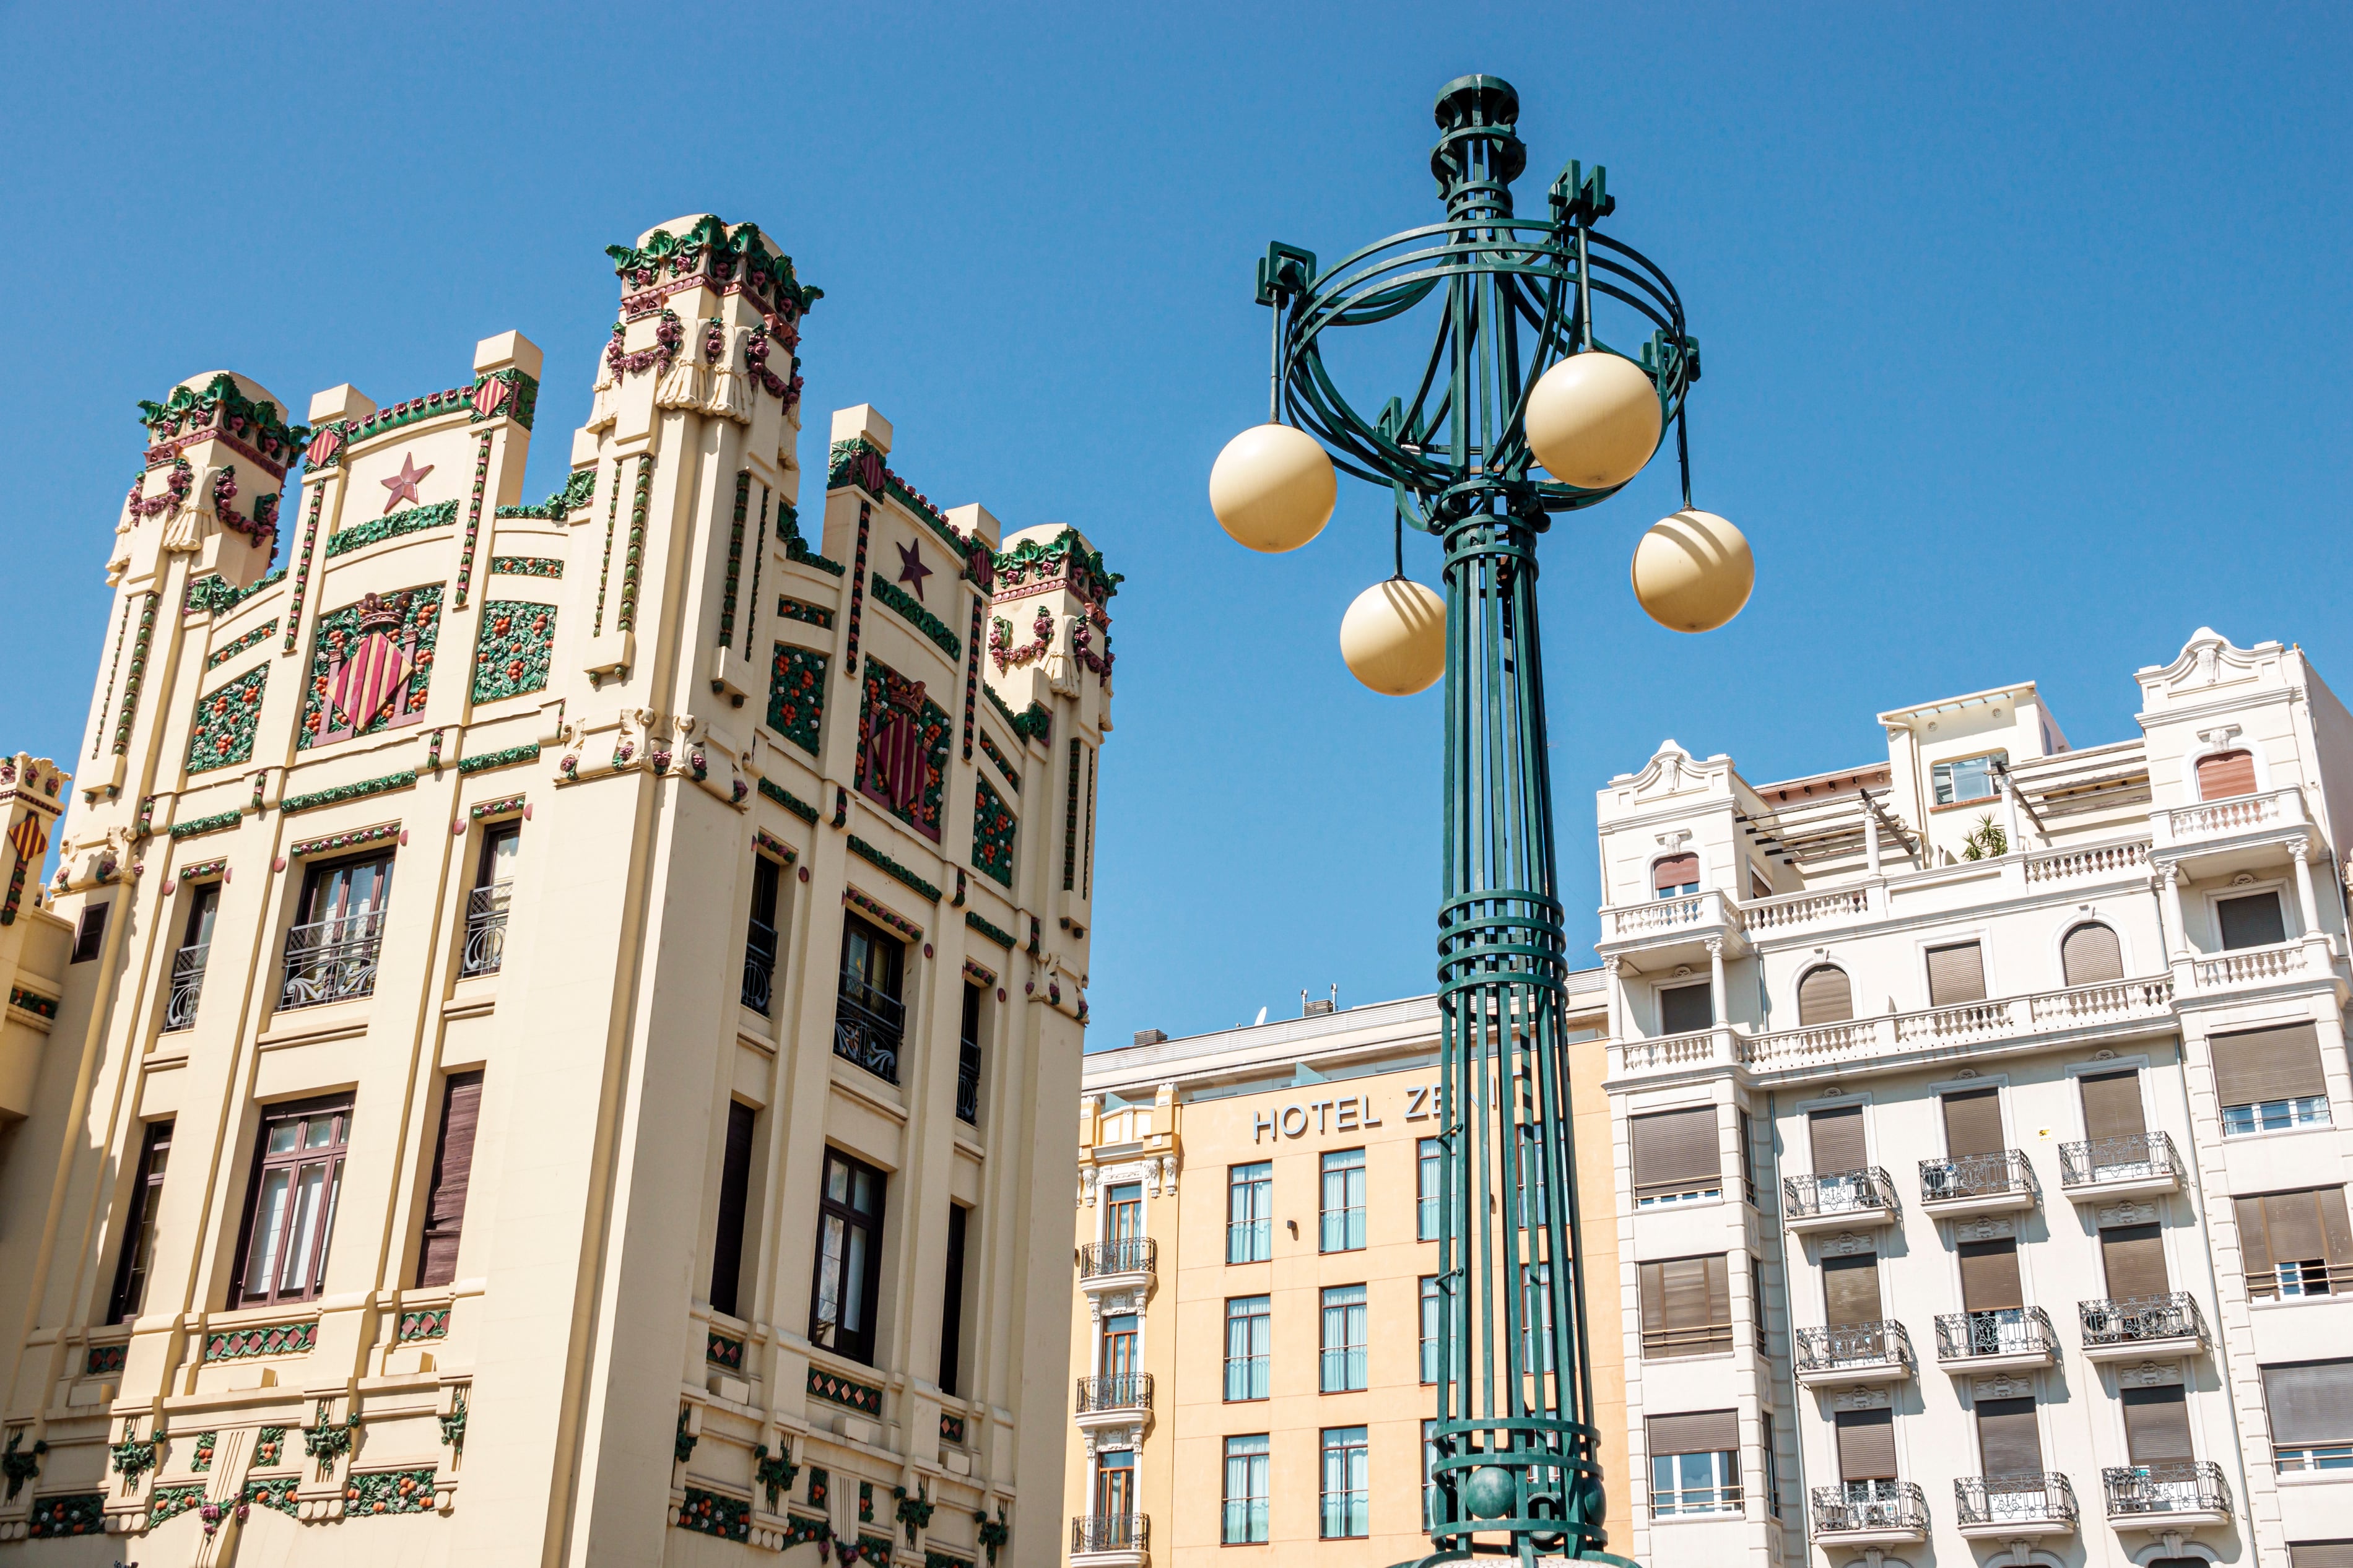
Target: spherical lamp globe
1394,637
1488,1494
1273,488
1692,572
1593,420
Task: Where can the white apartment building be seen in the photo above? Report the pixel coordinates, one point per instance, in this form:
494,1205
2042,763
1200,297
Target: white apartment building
1979,1119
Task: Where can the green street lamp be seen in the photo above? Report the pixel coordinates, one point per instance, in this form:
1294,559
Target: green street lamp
1519,379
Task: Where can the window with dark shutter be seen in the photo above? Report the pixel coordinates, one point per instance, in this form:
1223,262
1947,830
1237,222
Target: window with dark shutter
2320,1555
1676,1154
138,1256
1850,1290
2311,1404
1686,1306
952,1300
2251,920
2297,1243
2091,954
2156,1425
2112,1106
2226,773
1973,1124
2010,1439
1836,1137
453,1171
1866,1445
1824,997
1683,1008
2133,1258
1705,1432
2262,1065
735,1193
1674,874
1990,1276
1956,975
90,933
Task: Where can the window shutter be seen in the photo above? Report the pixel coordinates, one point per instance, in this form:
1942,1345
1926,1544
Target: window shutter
2226,773
2252,919
1683,1008
2321,1554
1866,1445
1837,1139
2091,954
2255,1235
1707,1432
2294,1221
1824,997
2156,1425
1956,975
2112,1105
1678,1147
1973,1122
1675,871
453,1171
1990,1276
1685,1286
1719,1291
2010,1439
2133,1258
1654,1300
2310,1403
2336,1236
1850,1290
2267,1064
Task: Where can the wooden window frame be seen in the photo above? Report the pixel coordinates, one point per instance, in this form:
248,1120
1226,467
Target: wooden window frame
857,1346
337,1108
138,1254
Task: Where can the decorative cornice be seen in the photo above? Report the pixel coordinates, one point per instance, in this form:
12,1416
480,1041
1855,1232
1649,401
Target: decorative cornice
509,807
376,530
352,840
220,410
213,595
904,927
33,1002
921,619
293,803
202,869
790,801
995,934
1063,560
577,490
859,846
504,758
196,826
762,839
856,462
222,655
721,253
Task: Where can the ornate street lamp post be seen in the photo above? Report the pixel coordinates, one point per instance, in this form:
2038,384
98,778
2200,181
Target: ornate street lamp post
1519,377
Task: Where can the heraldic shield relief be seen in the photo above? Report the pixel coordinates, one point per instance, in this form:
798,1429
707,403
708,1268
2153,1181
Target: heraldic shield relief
371,665
902,749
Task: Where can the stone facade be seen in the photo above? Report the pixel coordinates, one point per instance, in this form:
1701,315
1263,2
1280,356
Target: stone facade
527,1057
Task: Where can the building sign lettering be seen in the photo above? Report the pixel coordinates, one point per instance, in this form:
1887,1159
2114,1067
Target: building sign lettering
1347,1113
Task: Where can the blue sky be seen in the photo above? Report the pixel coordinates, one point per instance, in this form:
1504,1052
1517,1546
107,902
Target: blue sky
2025,331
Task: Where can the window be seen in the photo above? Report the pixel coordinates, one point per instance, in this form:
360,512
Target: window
1427,1171
1685,1008
2112,1115
1530,1201
1249,1343
1772,1469
1694,1463
1536,1318
453,1171
1840,1160
2311,1406
1850,1294
1956,975
870,1019
2306,1554
2132,1260
1972,1125
2295,1244
2010,1439
1123,1212
1866,1449
1343,1339
760,937
1676,1158
290,1208
848,1258
1757,1304
967,1104
735,1196
188,963
1249,1211
1748,1157
2226,773
1116,1491
1433,1321
486,904
2269,1080
1686,1307
2156,1425
139,1224
1118,1357
1760,886
2251,920
1246,1492
90,933
952,1300
2090,955
1966,778
1824,997
1347,1484
330,951
1433,1501
1344,1201
1675,875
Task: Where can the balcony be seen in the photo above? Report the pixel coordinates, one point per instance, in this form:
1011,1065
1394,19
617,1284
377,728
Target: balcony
1110,1540
1666,929
2014,1507
2143,1328
868,1032
2097,1170
486,928
2179,1494
2114,1009
2237,821
759,966
1976,1183
1854,1353
1123,1398
187,986
1869,1513
2307,957
1844,1200
1968,1344
1126,1264
332,960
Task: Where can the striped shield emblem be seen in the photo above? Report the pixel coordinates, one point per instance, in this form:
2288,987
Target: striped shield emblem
27,840
368,680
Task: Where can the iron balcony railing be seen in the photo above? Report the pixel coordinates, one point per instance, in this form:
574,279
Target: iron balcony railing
759,966
1841,1192
1129,1255
2005,1332
1111,1533
967,1107
868,1028
1975,1176
1120,1391
1853,1345
2142,1317
332,960
2166,1485
1851,1507
187,985
2015,1499
2132,1157
486,928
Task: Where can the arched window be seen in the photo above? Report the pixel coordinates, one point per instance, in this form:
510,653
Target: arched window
2226,773
2089,954
1824,997
1674,875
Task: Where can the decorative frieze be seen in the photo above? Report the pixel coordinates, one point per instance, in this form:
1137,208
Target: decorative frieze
856,590
294,804
506,757
952,1429
921,619
977,974
1012,775
220,412
856,462
2126,1213
633,559
2150,1374
196,826
68,1514
273,1492
229,650
997,934
507,806
790,801
200,1457
272,1339
1987,1227
170,1502
881,915
796,696
799,610
767,843
514,649
369,1493
424,1323
1845,1243
2002,1385
268,1448
202,871
226,720
302,567
392,525
136,676
712,1514
723,1351
505,393
39,1007
1860,1399
865,851
994,830
357,838
863,1397
1063,562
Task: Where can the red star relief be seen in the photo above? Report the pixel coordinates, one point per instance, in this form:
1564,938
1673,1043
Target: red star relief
912,568
403,485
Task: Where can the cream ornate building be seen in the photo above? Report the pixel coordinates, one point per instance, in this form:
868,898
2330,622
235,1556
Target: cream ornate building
1257,1211
1980,1123
554,1036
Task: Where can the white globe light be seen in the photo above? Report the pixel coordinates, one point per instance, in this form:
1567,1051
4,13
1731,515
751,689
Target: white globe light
1593,420
1692,572
1394,637
1274,488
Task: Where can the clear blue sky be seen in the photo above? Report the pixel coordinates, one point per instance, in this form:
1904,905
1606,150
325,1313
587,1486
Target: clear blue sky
2025,331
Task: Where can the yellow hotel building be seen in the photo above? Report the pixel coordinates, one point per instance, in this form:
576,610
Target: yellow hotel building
1254,1228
